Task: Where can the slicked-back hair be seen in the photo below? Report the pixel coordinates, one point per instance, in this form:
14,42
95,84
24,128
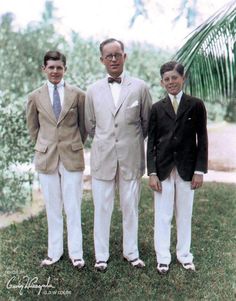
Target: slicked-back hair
55,56
172,65
108,41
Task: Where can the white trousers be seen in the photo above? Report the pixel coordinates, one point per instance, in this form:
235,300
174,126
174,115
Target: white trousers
63,187
103,197
176,195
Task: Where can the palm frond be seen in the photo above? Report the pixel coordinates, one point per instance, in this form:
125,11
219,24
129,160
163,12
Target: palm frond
209,56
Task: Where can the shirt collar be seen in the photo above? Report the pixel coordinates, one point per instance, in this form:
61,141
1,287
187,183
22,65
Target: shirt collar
178,96
121,76
59,85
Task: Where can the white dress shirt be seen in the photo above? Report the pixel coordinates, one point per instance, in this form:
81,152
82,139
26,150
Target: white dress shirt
178,97
60,88
116,88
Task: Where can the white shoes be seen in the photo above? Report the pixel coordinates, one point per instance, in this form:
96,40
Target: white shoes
78,263
48,261
189,266
162,268
100,266
137,263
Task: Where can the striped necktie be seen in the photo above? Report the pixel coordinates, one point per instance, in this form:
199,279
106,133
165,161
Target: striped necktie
56,102
175,104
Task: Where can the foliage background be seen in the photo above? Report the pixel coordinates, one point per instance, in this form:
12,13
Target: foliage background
21,54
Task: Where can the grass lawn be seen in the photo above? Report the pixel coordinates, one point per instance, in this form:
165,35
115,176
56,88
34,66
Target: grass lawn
213,245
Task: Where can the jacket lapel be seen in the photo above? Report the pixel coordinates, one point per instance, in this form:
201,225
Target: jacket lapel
69,96
124,92
46,102
107,97
167,105
183,106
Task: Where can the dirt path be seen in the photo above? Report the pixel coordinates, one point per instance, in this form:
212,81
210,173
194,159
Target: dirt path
222,146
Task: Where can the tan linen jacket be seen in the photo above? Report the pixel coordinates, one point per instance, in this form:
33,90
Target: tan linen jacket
118,132
57,139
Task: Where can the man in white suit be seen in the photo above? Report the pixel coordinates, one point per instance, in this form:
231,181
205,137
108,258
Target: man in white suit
117,110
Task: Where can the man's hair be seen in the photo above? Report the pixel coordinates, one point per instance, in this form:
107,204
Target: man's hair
55,56
111,40
172,65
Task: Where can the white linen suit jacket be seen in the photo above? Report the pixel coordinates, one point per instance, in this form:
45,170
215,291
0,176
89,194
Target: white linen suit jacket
118,132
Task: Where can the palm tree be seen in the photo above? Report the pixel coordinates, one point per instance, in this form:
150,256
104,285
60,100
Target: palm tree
209,56
187,9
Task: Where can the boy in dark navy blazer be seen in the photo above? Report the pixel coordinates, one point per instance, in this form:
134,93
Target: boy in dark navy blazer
177,155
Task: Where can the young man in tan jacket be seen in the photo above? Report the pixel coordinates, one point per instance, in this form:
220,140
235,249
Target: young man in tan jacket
55,119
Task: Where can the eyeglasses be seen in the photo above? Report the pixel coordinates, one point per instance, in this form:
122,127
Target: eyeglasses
117,56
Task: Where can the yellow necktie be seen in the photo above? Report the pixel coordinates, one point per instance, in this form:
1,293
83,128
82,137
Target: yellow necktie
175,104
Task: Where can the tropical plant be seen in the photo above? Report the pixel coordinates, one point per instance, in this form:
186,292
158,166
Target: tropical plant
209,56
144,61
83,61
21,53
186,9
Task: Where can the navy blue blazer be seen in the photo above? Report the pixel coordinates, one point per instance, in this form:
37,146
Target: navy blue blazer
177,140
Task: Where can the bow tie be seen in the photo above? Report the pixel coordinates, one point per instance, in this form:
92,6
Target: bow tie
111,80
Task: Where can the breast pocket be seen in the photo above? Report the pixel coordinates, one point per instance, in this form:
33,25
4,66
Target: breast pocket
72,116
132,114
189,123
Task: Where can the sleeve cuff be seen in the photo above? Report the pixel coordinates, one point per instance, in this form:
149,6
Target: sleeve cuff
196,172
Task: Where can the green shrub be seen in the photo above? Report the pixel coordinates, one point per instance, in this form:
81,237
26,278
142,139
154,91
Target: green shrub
15,190
15,149
21,55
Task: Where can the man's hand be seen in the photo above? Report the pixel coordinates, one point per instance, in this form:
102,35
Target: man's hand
197,181
155,183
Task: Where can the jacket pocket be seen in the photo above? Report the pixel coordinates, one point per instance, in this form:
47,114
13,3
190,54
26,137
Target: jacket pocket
42,148
40,159
132,114
77,146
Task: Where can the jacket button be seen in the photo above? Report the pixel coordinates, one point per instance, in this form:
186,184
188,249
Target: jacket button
116,125
116,140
